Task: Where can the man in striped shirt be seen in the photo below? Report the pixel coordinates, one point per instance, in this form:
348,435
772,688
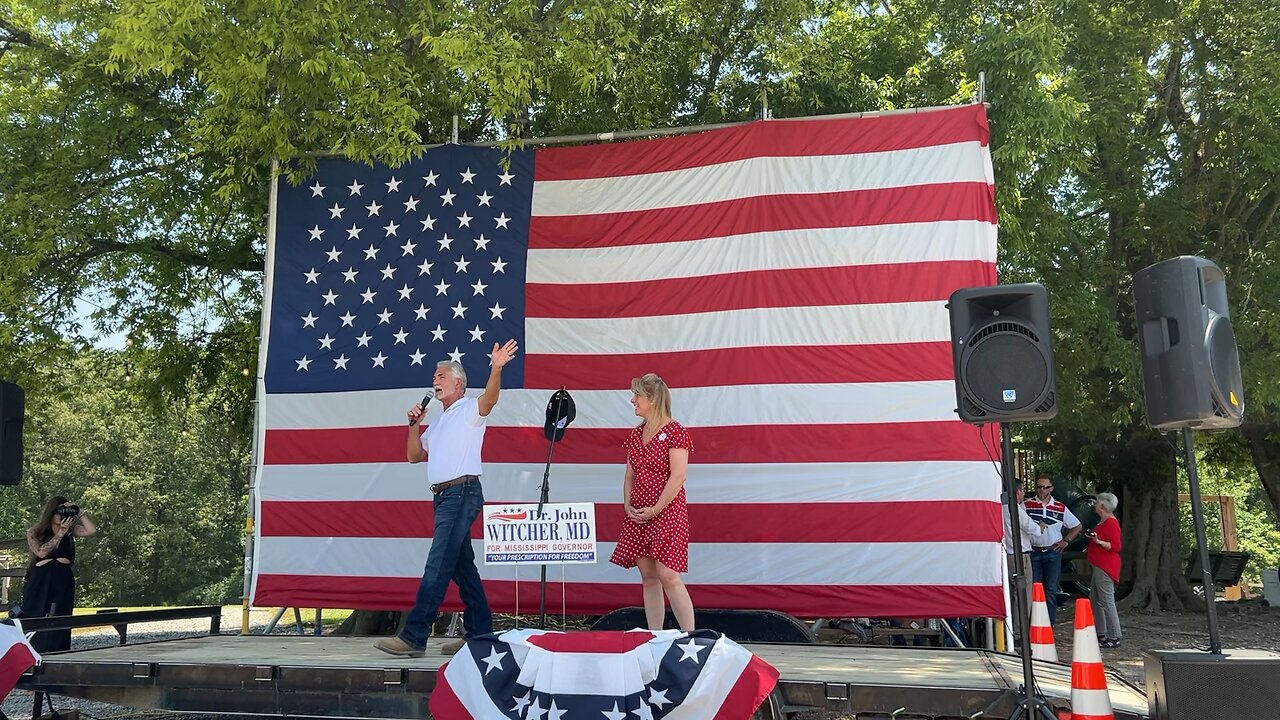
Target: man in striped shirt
1060,528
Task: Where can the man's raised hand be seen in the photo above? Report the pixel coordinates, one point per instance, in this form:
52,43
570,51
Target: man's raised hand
504,354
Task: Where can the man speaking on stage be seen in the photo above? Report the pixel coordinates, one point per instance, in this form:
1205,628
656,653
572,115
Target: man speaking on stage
451,446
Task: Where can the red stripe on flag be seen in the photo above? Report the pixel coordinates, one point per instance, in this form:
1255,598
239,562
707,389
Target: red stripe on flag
444,703
871,442
767,213
15,661
898,362
801,287
809,601
774,138
755,683
603,641
852,522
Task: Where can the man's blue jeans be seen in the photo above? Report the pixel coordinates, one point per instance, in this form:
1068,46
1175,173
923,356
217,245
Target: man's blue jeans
451,558
1046,569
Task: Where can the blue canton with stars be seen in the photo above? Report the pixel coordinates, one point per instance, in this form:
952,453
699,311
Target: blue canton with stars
379,273
678,671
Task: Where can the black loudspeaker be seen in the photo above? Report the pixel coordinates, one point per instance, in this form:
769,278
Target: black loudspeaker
1003,353
1193,685
12,415
1190,367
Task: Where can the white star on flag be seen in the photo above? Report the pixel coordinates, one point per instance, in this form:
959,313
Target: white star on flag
393,185
378,360
354,187
335,212
304,363
690,651
317,190
316,232
340,362
494,661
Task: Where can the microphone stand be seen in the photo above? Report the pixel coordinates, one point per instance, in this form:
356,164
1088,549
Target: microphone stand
542,500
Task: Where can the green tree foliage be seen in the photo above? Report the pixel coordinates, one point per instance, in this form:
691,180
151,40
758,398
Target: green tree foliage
165,485
138,141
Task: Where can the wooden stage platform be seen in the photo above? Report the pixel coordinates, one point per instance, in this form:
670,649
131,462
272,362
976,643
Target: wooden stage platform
345,677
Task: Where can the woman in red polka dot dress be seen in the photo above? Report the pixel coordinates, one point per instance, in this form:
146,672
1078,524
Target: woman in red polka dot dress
655,532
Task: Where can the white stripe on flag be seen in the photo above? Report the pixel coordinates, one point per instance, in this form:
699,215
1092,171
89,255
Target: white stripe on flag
779,250
958,162
799,404
759,327
950,563
716,483
721,670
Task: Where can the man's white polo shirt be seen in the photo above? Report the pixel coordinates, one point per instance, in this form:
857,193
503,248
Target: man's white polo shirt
453,442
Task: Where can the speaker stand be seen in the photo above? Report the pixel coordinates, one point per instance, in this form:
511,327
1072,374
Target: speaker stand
1029,704
543,498
1202,542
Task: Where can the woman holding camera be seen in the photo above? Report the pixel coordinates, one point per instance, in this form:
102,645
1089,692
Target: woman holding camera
50,587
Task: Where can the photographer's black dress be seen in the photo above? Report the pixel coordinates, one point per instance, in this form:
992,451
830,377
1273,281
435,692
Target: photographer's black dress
50,589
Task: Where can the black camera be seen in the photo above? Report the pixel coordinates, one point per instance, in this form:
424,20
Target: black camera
68,511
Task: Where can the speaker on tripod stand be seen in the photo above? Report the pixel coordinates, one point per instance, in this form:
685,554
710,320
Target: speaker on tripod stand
1191,381
1002,350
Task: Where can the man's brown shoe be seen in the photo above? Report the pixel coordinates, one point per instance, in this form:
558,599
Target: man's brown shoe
396,646
452,648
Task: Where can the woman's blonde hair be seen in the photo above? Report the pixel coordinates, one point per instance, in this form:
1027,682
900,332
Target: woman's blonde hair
653,387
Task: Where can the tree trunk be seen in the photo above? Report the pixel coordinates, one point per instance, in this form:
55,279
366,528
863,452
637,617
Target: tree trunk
1152,555
370,622
1265,452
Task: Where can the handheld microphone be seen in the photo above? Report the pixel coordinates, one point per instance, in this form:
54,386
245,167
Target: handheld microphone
426,400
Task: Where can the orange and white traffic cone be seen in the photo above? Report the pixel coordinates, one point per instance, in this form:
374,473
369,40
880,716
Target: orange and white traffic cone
1089,697
1043,646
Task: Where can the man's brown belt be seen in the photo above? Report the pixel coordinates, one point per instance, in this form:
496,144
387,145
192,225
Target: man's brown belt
441,487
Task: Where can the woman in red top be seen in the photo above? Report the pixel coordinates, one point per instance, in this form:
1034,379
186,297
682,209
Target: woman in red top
1104,556
655,532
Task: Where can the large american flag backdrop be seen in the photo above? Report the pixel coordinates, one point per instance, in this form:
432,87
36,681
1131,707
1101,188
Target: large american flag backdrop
787,278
